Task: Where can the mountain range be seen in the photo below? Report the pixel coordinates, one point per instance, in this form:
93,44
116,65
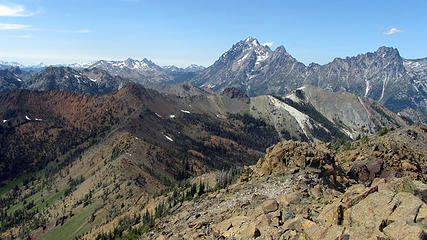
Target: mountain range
382,75
41,66
399,84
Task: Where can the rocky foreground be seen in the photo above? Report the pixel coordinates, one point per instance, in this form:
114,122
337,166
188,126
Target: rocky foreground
372,188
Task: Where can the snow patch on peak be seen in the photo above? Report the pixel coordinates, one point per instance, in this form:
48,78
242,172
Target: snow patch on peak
26,117
261,55
255,42
185,111
368,87
243,58
252,41
4,121
249,39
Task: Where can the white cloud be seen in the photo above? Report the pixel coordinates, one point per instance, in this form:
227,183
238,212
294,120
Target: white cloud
11,26
268,44
12,10
393,30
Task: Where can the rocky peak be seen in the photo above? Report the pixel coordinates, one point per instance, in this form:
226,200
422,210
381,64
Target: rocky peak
246,54
249,44
252,41
391,55
387,51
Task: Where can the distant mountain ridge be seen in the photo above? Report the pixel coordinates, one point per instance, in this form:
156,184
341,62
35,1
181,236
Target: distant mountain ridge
41,66
147,72
83,78
382,75
190,68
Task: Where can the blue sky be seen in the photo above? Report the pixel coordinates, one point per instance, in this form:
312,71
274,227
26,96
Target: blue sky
185,32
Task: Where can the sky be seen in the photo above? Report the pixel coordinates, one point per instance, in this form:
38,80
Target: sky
198,32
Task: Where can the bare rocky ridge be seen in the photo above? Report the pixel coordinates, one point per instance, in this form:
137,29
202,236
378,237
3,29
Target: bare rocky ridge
352,113
303,191
183,89
311,113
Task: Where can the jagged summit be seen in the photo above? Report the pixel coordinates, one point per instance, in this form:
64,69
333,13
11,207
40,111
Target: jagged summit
388,50
252,41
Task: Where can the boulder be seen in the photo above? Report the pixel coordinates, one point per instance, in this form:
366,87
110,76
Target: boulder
270,206
402,230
